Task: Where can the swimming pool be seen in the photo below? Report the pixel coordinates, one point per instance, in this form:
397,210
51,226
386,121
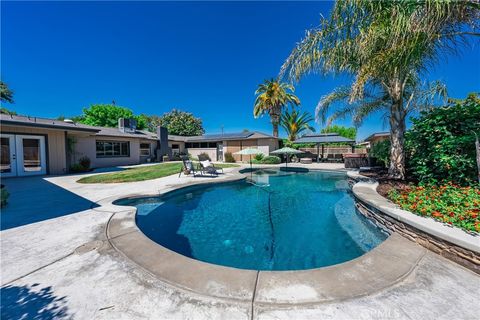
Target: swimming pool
279,221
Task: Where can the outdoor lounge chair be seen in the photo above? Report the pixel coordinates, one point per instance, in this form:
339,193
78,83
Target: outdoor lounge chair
187,166
306,160
208,167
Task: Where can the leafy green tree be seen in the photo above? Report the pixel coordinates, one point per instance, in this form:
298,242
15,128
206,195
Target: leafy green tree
107,115
381,151
181,123
441,143
295,123
6,95
152,122
387,46
347,132
272,97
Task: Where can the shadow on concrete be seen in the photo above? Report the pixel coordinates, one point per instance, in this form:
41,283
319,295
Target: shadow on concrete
34,199
23,302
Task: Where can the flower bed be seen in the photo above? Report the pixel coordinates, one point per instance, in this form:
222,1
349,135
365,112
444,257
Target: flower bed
448,203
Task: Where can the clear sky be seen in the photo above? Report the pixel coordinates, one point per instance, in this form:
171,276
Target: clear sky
205,58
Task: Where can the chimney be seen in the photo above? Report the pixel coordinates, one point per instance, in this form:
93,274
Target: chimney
163,149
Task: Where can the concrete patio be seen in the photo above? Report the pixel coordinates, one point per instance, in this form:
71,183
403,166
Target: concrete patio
56,262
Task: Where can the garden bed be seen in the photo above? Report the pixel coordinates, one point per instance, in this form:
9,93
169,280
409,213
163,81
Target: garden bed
448,203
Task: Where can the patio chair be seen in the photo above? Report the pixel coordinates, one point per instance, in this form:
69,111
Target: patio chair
187,166
338,157
330,157
208,167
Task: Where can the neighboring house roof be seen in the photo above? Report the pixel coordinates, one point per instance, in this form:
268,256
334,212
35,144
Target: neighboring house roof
246,135
377,135
323,138
44,123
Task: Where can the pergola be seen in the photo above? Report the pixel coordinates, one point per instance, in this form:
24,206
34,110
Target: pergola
320,139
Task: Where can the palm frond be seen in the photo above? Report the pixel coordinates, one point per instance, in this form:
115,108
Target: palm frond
323,106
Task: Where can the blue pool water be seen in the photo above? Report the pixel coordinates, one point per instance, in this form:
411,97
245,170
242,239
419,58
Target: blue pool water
284,221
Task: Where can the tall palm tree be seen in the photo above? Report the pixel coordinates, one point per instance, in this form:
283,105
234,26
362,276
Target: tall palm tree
272,97
387,46
295,123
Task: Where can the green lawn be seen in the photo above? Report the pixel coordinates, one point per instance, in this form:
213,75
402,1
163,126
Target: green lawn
142,173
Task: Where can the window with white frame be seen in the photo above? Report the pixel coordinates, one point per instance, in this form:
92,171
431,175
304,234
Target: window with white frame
145,149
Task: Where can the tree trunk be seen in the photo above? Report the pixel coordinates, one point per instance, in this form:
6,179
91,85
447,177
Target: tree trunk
396,169
275,119
275,130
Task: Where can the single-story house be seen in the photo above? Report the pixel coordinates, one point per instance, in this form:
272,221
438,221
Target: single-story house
216,145
374,138
36,146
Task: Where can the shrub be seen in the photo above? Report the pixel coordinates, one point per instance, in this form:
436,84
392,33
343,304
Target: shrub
259,156
77,167
204,156
84,162
176,157
271,160
441,143
229,157
448,203
381,151
3,196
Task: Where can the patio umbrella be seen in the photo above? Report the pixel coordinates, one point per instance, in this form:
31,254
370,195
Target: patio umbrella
249,152
286,151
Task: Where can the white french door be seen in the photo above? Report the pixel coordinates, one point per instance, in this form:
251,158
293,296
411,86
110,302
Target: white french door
23,155
8,165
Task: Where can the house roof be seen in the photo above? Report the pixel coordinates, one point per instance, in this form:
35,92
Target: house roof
172,137
245,135
115,132
376,135
323,138
45,123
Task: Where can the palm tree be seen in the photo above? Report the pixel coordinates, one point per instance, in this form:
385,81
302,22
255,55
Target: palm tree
387,46
272,97
6,95
295,123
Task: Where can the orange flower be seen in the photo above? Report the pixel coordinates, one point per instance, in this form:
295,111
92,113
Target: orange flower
436,214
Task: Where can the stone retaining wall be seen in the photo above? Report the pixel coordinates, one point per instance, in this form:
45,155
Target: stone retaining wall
462,256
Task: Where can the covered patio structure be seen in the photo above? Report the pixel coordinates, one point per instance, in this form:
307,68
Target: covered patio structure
320,139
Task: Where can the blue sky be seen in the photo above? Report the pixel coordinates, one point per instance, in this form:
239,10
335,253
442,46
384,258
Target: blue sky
205,58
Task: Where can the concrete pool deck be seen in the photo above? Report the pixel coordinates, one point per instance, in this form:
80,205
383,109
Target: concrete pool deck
62,265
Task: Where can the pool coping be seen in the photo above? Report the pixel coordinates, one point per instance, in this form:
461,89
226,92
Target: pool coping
384,266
